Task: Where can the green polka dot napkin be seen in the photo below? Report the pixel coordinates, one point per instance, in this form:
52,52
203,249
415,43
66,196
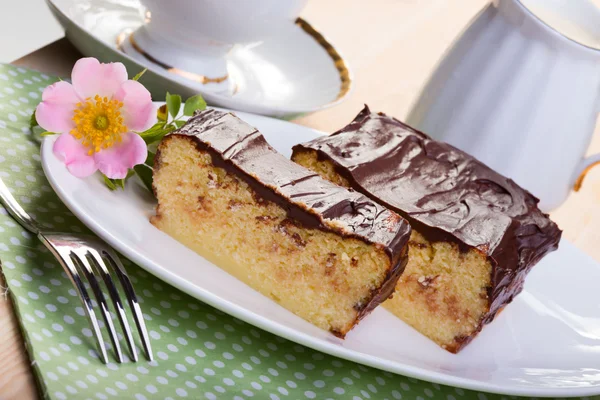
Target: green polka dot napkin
200,352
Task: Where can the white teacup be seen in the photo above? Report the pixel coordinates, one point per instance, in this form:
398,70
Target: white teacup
194,36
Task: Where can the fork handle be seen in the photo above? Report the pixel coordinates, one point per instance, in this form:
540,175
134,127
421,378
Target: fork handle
16,211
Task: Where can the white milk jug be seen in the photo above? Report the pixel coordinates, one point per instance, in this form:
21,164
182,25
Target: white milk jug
520,90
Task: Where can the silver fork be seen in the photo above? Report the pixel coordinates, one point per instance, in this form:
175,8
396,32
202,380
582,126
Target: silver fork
88,254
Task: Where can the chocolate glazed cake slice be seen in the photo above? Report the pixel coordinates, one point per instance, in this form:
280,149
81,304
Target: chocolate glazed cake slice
476,234
326,253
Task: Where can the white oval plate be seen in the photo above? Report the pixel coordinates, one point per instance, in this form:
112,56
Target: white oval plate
293,73
546,343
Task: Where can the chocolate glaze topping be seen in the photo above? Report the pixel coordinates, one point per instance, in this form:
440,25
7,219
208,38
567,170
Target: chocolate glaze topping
308,199
446,195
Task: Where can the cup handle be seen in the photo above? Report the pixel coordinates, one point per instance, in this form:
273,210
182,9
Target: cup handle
583,168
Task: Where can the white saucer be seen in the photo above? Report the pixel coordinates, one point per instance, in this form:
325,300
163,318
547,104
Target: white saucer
296,72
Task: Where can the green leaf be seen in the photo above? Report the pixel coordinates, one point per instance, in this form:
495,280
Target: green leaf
139,74
110,183
173,104
179,123
46,133
194,103
150,159
145,174
114,184
157,126
161,113
130,173
33,121
156,132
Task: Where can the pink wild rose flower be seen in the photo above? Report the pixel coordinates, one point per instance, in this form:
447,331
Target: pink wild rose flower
98,116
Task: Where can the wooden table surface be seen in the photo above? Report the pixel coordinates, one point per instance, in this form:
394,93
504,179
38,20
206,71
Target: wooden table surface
392,47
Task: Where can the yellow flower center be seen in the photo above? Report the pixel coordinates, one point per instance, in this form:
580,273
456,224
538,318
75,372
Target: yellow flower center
98,123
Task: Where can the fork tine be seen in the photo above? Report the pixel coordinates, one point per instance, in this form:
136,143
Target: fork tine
114,295
81,258
64,258
113,259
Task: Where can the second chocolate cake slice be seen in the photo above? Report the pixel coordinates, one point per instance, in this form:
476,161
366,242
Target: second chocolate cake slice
476,234
327,253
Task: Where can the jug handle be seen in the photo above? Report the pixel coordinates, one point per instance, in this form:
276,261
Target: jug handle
583,168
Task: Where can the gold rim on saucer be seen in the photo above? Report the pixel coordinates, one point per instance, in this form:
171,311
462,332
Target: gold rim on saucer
582,176
338,61
186,74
